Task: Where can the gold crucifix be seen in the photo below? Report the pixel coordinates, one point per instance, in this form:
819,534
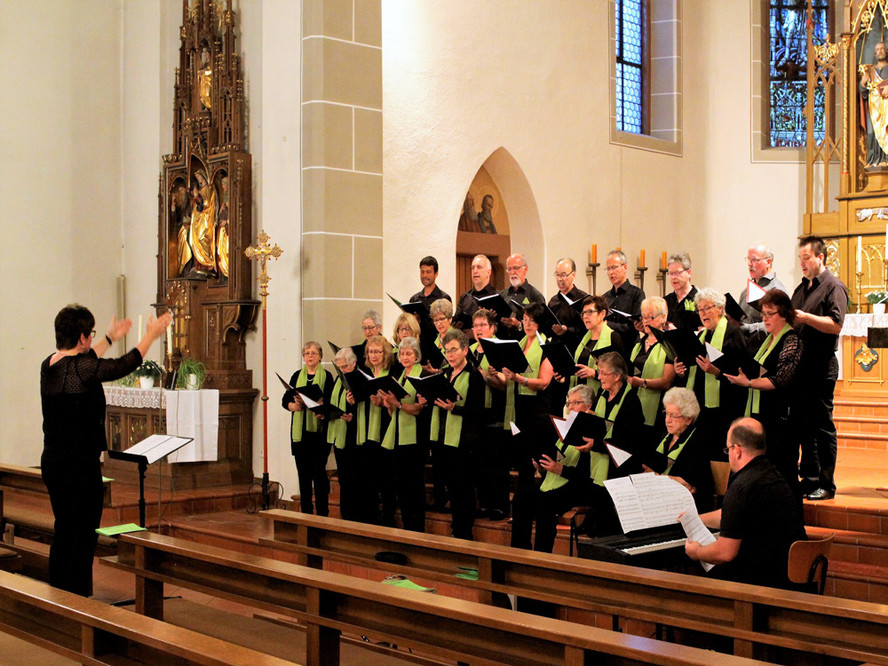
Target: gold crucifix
261,252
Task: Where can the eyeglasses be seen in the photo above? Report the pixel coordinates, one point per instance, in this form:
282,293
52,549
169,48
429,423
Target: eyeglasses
611,269
672,416
649,317
564,276
727,449
677,273
367,329
574,403
590,312
451,350
753,260
605,373
768,315
438,320
92,333
404,329
707,309
512,269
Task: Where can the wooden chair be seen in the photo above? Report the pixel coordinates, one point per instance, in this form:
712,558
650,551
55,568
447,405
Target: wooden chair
720,473
575,516
808,563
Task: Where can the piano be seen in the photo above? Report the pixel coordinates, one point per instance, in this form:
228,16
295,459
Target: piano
654,547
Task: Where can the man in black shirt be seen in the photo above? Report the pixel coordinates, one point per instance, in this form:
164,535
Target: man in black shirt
468,302
821,301
520,291
759,519
623,296
680,303
428,274
571,329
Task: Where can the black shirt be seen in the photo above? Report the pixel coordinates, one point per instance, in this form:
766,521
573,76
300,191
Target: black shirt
569,315
824,296
625,298
760,510
683,313
427,328
468,304
523,294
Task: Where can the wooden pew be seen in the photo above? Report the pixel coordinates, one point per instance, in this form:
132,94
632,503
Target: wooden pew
32,524
91,632
330,604
752,617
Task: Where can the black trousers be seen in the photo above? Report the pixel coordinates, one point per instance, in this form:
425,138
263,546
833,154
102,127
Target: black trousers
346,470
311,468
458,461
410,473
75,490
819,440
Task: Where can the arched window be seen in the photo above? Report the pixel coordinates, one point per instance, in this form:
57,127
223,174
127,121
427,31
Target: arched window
630,44
788,71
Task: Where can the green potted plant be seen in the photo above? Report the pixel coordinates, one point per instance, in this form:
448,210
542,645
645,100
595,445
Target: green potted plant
191,374
877,300
148,373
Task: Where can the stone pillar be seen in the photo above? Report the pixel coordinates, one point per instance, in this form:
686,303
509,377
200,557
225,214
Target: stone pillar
341,167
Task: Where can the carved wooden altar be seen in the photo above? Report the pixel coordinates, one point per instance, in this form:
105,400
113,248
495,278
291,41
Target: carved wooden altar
205,204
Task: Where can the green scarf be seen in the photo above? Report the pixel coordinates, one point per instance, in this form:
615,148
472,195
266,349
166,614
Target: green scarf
653,369
534,357
313,424
674,453
753,400
599,464
336,430
403,425
453,422
370,424
710,382
601,410
604,341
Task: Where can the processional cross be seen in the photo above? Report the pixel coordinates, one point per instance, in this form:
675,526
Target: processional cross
261,253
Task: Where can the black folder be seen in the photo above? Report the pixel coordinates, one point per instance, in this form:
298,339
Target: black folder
585,424
682,344
733,309
417,308
505,354
560,357
497,304
432,387
388,384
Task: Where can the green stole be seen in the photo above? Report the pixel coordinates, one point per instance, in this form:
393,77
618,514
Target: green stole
604,340
710,382
369,427
601,409
440,345
313,424
674,453
484,365
653,369
599,464
337,429
403,425
453,423
534,357
754,397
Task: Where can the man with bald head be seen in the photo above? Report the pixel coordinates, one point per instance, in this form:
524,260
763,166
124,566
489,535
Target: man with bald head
571,329
760,517
520,291
759,261
481,287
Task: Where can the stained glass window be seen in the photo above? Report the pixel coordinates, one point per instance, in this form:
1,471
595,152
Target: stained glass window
629,40
789,71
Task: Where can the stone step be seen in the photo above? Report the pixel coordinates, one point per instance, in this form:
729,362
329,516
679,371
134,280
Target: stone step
864,582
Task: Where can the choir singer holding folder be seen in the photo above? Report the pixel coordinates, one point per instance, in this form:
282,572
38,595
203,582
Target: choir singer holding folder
73,405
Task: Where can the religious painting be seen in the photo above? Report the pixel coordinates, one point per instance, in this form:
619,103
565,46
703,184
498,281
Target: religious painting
872,70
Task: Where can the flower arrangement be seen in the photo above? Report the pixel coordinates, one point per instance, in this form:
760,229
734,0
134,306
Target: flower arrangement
877,297
149,369
191,373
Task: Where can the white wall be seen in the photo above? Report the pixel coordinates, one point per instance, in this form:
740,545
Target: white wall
60,189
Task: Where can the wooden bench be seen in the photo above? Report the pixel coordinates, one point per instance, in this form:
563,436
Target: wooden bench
91,632
35,524
330,604
753,617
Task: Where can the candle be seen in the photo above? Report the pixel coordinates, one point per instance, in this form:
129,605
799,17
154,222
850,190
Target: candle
169,334
593,254
139,329
663,262
641,263
860,254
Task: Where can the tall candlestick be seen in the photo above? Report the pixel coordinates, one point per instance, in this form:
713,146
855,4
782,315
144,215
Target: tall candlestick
139,329
641,263
663,262
593,254
859,254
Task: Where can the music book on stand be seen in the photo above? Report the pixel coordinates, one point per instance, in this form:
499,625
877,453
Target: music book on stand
151,449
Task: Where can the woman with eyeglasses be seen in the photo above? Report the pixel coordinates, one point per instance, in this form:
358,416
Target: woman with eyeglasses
527,404
73,404
308,431
770,397
373,419
681,454
598,336
441,312
342,435
656,365
720,400
566,482
403,438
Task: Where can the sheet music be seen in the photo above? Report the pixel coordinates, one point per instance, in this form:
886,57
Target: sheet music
155,447
697,531
712,353
627,503
619,455
563,425
514,428
308,402
753,292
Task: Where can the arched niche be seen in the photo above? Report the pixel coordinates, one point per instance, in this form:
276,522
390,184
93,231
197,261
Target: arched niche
514,214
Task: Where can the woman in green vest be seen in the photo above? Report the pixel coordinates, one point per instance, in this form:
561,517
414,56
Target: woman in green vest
457,425
769,398
721,401
403,437
308,431
566,481
681,453
341,434
373,419
598,336
441,314
657,370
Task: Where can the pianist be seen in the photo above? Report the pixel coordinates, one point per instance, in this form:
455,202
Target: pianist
759,519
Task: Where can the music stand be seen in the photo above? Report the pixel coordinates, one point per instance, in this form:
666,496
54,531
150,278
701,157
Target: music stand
144,453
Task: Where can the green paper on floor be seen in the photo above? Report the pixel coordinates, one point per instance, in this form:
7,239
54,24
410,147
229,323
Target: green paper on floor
114,530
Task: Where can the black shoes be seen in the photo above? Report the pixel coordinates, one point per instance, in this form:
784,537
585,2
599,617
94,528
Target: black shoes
821,494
